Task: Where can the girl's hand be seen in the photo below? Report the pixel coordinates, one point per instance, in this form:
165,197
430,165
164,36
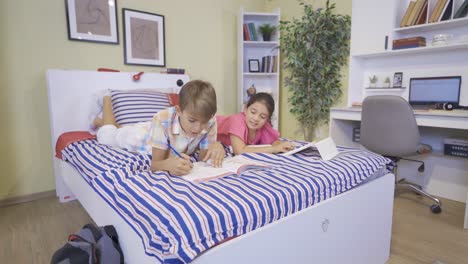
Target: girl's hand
179,166
283,146
216,154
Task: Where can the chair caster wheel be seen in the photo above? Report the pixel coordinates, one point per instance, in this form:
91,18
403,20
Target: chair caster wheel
436,209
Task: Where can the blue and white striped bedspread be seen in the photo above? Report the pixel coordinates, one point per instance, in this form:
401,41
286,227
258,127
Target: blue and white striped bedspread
177,220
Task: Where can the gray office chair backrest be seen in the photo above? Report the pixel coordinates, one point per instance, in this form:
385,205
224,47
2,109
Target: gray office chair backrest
388,126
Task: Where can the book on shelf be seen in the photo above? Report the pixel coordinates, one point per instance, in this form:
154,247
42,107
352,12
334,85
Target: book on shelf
407,13
408,46
415,12
250,34
269,64
413,41
204,171
421,19
462,10
436,10
446,11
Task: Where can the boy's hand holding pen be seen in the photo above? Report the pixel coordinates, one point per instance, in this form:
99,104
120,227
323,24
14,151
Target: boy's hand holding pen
182,164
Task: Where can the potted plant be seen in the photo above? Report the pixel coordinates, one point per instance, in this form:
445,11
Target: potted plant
315,48
387,82
266,30
373,81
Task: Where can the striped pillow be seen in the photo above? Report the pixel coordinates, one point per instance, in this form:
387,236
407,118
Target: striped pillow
133,106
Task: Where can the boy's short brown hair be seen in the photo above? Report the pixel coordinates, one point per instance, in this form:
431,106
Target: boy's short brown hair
198,97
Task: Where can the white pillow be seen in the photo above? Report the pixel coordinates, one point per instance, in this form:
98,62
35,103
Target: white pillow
133,106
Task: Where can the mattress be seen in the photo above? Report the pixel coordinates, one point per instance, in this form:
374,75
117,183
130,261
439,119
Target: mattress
177,220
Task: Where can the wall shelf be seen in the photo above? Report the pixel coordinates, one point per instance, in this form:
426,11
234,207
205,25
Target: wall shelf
390,89
264,74
413,51
261,44
448,24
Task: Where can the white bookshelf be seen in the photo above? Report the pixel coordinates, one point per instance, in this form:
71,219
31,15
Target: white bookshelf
371,54
255,50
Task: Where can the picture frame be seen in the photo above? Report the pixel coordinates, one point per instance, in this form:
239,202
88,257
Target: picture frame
397,79
92,21
144,38
254,66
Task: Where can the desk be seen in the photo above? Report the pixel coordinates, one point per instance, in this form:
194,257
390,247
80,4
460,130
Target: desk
445,176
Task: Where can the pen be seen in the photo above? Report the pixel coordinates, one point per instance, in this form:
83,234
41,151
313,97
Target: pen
174,150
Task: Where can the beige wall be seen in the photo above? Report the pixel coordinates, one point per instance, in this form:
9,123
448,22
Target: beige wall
201,37
289,127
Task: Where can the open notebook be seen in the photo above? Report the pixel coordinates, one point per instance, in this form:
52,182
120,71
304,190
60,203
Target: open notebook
204,171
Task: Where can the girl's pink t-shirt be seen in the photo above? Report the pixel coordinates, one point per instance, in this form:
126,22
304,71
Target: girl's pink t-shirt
236,125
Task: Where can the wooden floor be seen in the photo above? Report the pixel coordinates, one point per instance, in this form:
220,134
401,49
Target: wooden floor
31,232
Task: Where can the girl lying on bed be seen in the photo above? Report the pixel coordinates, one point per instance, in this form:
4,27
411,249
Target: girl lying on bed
173,134
252,127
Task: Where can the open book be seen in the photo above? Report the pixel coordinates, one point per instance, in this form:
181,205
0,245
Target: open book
299,149
204,171
326,148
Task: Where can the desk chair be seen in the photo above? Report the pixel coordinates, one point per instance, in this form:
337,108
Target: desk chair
388,127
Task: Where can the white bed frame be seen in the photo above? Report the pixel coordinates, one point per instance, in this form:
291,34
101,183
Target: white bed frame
353,227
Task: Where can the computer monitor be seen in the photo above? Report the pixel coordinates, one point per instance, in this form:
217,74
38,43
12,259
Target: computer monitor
433,90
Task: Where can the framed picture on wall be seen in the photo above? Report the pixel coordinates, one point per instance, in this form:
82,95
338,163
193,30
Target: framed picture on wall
397,79
92,20
143,38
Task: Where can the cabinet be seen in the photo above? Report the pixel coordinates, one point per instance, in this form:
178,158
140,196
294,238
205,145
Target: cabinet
376,22
254,57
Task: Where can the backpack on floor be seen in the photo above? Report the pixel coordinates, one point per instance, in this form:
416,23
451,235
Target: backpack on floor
91,245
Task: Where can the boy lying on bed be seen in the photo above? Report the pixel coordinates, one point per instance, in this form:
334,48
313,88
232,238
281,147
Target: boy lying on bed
173,134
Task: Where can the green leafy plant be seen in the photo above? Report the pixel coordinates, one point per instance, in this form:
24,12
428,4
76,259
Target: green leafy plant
267,30
373,79
316,46
387,81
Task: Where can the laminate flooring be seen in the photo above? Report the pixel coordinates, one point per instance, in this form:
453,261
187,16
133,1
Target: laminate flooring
31,232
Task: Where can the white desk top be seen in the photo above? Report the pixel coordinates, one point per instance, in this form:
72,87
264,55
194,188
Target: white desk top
433,112
457,119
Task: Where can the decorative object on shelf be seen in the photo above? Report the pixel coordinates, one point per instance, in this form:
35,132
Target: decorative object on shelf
94,21
397,79
254,66
143,38
373,81
174,71
249,93
387,82
314,76
441,39
267,30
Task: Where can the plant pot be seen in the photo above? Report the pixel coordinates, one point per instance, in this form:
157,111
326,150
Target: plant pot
266,37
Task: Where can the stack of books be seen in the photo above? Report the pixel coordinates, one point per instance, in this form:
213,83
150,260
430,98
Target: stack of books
415,14
269,64
407,43
250,34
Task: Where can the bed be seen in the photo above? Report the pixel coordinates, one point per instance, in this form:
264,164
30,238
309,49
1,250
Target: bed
352,224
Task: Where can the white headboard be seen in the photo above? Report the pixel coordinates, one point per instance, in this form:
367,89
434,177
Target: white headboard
71,94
